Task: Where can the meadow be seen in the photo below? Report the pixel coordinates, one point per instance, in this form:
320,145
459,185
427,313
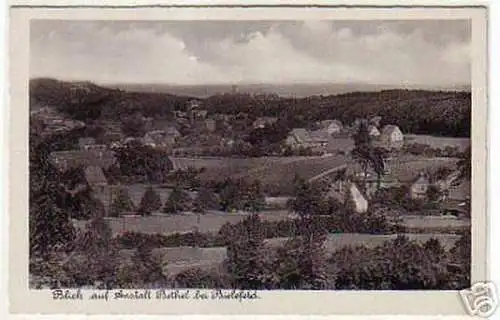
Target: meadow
438,142
178,259
212,222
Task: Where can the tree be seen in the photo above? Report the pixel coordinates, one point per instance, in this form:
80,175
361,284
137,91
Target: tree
145,162
465,165
253,197
362,147
145,270
121,204
433,193
83,205
178,201
150,202
377,162
134,126
307,198
49,221
247,260
367,155
206,200
95,258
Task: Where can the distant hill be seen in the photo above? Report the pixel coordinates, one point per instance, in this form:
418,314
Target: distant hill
84,100
285,90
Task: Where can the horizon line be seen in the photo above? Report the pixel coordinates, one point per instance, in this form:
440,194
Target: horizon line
236,84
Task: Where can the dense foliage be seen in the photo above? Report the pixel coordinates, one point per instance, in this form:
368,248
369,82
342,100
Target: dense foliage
140,163
121,204
403,264
150,202
49,221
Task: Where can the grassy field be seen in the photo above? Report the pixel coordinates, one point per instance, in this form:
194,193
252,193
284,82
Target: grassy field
276,173
181,258
270,170
406,168
438,142
337,241
212,222
430,222
169,224
278,179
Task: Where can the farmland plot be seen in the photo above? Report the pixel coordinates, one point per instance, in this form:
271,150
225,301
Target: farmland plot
279,178
438,222
180,223
438,142
180,258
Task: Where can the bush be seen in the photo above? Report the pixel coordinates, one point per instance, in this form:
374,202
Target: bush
201,278
143,271
178,201
248,262
150,202
399,264
121,204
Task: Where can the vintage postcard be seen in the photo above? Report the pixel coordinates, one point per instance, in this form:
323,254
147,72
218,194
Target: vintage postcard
249,160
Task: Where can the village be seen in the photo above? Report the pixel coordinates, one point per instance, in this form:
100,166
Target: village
205,136
192,174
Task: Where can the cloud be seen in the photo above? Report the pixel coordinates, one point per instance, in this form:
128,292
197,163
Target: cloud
271,52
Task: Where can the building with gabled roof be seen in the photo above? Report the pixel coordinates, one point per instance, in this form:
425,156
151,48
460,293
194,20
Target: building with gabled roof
300,137
83,143
262,122
391,137
65,160
331,126
346,192
420,186
373,131
95,176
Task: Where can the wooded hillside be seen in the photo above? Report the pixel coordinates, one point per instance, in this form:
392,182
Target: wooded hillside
415,111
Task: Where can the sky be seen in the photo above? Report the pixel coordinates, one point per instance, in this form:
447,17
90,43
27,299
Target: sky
425,52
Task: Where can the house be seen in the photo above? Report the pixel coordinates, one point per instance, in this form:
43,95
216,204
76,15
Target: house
180,114
318,138
391,137
297,137
264,122
173,132
65,160
211,125
148,123
347,192
375,121
161,138
83,143
419,188
373,131
371,181
95,178
300,137
331,126
193,104
128,140
200,114
454,188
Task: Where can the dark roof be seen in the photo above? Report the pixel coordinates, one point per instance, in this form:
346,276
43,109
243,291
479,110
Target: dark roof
79,158
95,176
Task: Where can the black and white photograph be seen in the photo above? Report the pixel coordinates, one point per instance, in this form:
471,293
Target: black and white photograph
251,155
